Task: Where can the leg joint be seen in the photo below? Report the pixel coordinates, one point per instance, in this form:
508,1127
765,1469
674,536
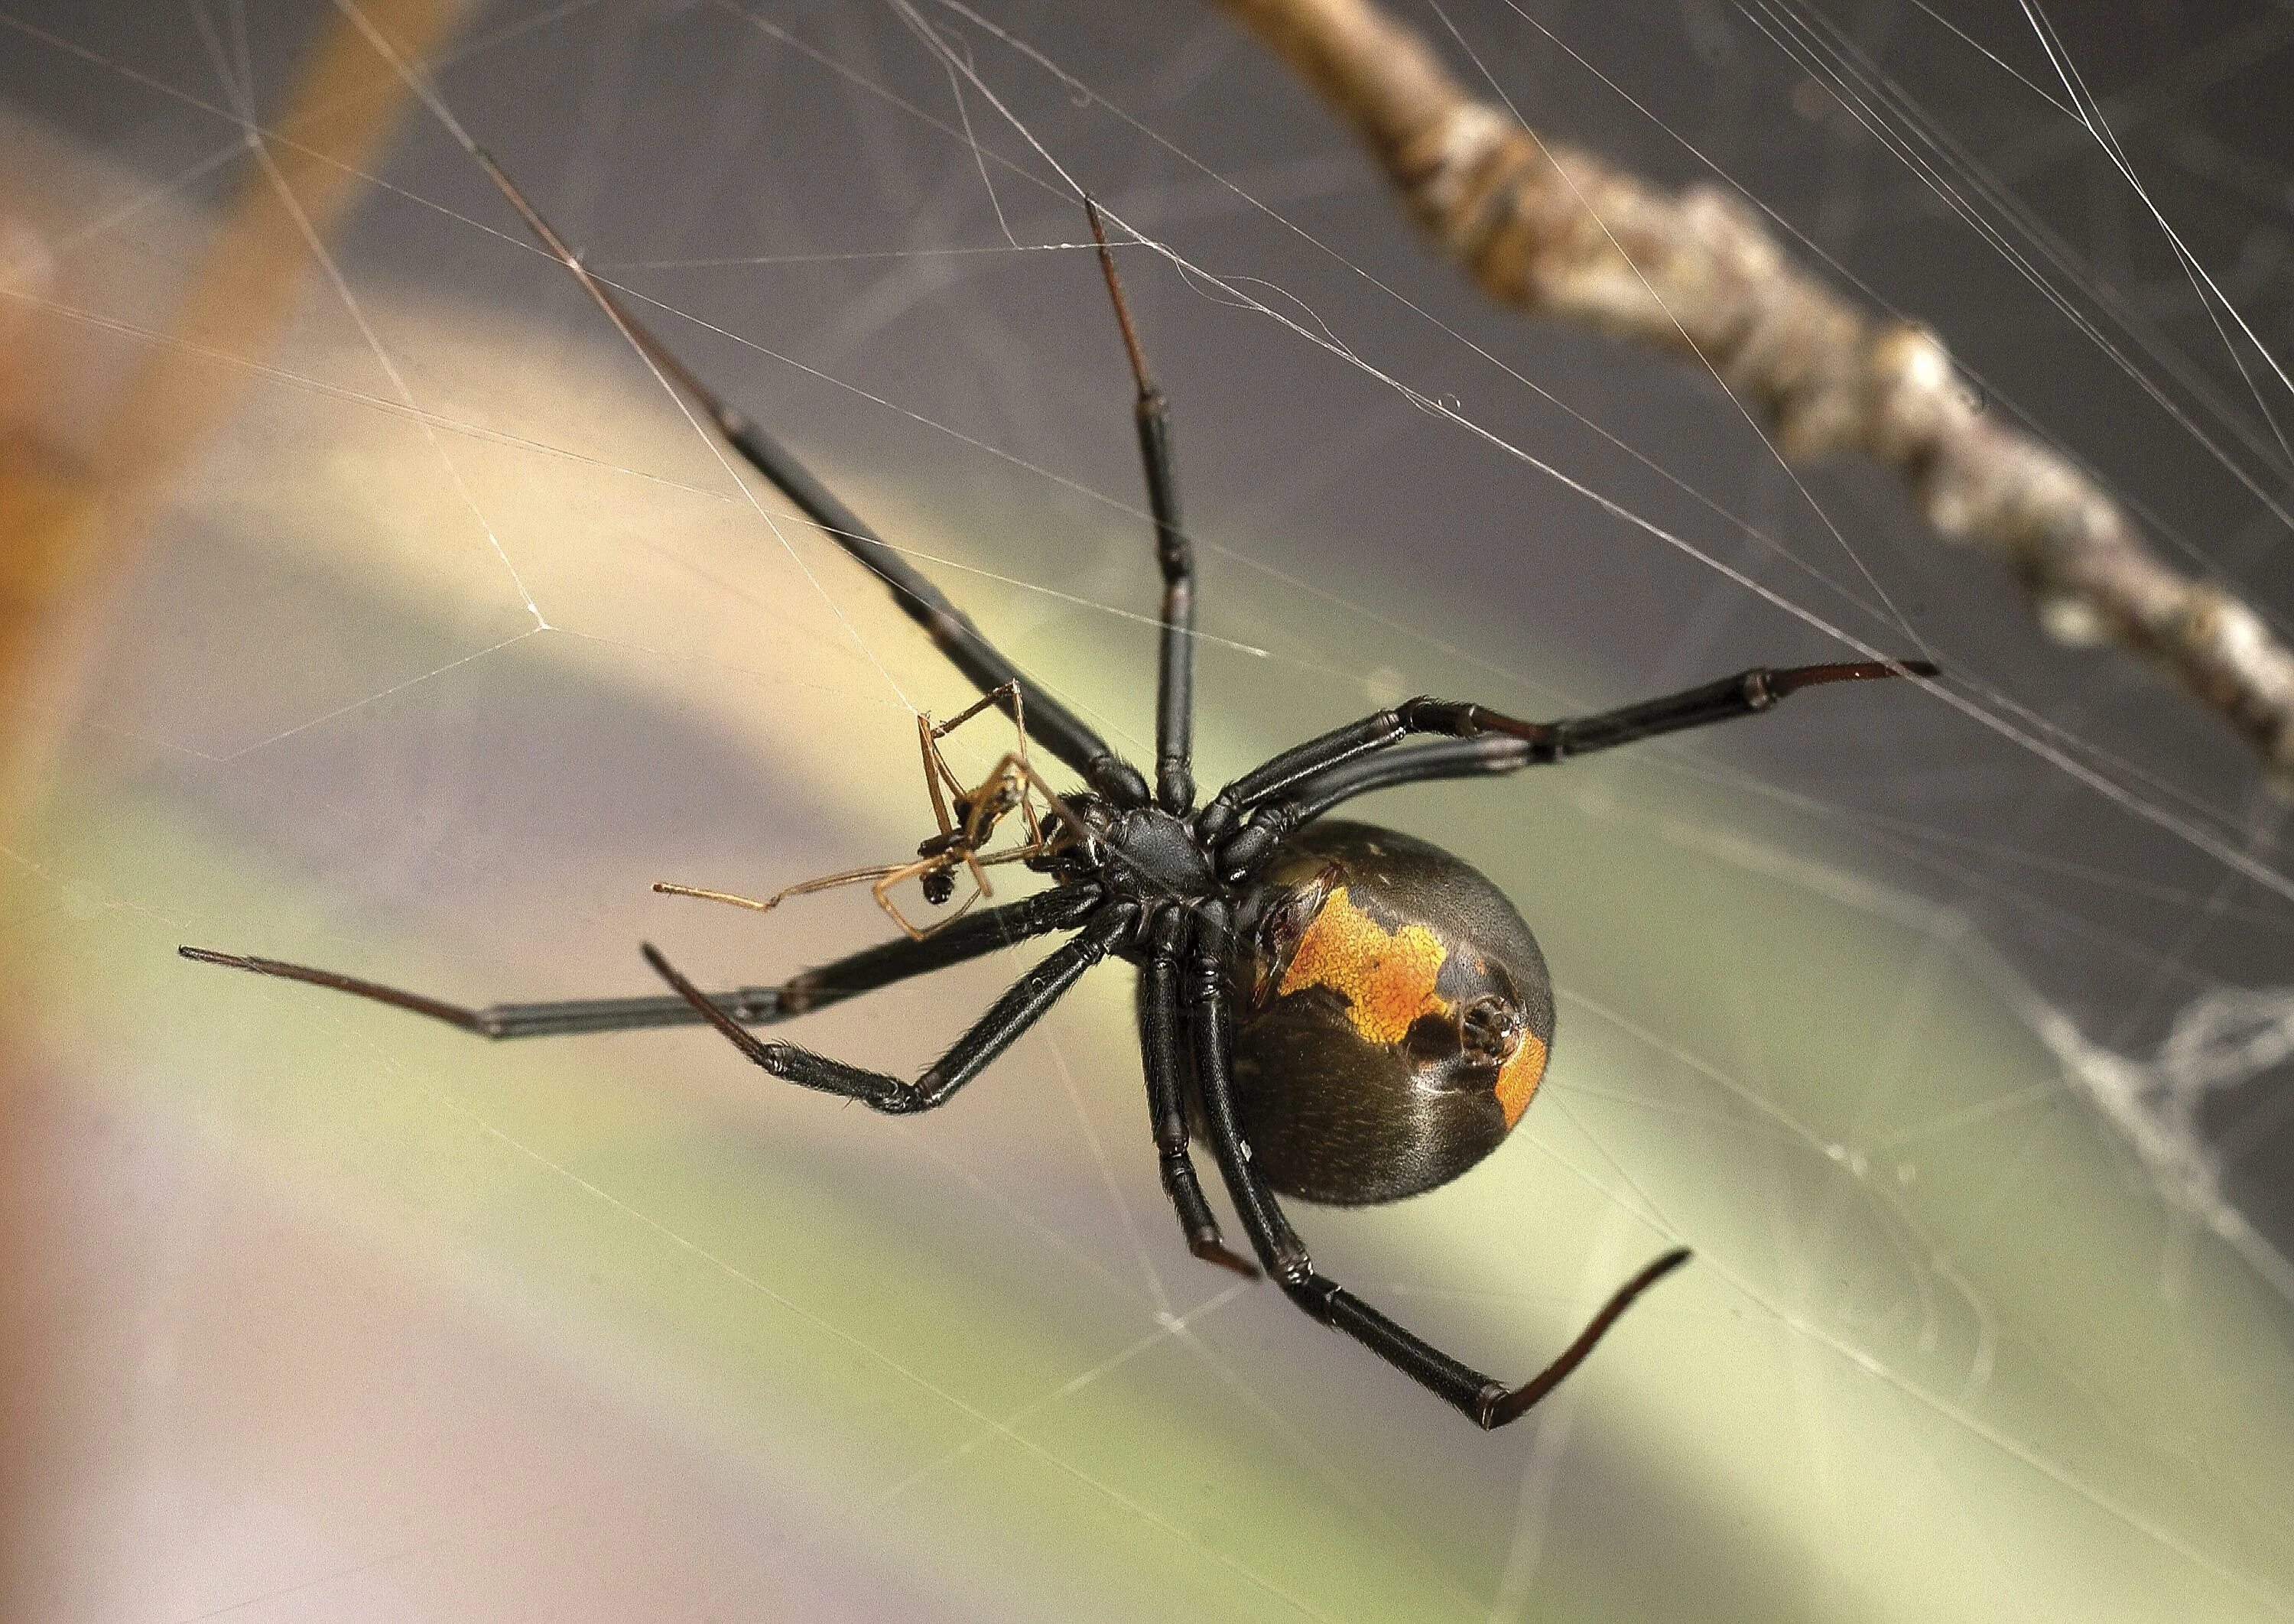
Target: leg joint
948,627
1295,1272
896,1099
1426,714
1118,780
1264,832
1174,784
1486,1402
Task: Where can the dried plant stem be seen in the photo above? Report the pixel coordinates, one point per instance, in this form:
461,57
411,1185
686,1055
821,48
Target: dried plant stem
1560,232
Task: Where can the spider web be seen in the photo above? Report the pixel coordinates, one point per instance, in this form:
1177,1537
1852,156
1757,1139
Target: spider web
1949,1028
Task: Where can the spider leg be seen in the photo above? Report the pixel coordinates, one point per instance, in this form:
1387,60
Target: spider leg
1175,782
1495,755
1006,696
882,892
871,968
929,741
1162,1037
1067,736
1487,1402
1310,779
1023,1004
803,888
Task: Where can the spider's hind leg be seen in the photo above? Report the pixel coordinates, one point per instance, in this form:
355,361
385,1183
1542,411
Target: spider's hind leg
1162,1030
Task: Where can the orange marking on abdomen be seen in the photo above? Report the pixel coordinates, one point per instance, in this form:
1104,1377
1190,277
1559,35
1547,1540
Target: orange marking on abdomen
1387,978
1518,1077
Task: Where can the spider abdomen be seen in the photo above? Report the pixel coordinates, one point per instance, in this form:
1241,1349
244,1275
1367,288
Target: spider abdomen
1395,1016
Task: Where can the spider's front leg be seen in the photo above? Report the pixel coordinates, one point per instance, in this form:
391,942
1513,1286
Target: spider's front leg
1308,780
1487,1402
885,964
1065,734
1175,703
1023,1004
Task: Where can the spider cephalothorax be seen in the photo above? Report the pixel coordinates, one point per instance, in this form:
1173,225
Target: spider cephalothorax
1338,1012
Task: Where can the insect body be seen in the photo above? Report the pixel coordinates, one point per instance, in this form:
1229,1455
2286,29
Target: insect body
1336,1012
968,820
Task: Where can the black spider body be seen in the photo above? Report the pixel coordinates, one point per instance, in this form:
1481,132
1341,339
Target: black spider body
1337,1012
1146,853
1393,1013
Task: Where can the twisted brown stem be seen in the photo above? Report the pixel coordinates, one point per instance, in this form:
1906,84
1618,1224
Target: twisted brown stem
1560,232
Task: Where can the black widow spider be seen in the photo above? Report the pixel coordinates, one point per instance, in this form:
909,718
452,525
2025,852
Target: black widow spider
1343,1014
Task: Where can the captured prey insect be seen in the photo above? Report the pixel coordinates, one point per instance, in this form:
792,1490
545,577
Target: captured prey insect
1011,785
1338,1013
